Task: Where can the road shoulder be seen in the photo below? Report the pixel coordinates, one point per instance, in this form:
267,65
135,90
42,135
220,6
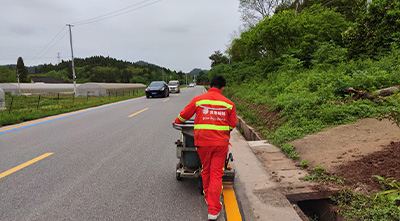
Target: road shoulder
260,197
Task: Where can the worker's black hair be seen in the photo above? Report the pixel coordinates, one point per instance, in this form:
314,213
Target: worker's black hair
218,82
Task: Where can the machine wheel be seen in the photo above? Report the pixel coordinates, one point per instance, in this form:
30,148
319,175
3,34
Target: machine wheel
178,175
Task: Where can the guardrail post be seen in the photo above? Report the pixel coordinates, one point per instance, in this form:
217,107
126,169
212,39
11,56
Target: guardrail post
12,99
38,103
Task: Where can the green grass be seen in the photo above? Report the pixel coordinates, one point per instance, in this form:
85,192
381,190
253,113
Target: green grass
354,206
20,108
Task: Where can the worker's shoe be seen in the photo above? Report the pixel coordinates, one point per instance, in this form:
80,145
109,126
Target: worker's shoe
213,217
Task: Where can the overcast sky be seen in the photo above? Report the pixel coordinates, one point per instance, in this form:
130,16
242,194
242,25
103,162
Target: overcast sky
176,34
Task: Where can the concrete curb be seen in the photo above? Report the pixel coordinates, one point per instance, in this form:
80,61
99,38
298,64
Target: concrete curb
263,195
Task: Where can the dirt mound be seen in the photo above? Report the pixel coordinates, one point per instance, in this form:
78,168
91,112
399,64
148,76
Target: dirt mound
355,151
385,163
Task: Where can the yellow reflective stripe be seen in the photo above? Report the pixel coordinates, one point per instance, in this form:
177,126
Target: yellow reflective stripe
212,102
181,119
211,127
231,128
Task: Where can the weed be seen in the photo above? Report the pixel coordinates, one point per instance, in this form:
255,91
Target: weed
289,151
293,155
304,164
391,188
320,175
353,206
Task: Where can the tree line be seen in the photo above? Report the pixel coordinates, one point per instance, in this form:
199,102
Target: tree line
109,70
95,69
314,32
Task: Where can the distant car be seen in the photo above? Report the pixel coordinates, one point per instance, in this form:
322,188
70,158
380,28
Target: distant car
191,85
157,89
174,86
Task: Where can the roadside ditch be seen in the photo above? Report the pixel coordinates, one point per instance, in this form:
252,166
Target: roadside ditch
310,200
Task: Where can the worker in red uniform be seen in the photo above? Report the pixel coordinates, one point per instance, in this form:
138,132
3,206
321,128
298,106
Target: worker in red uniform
215,118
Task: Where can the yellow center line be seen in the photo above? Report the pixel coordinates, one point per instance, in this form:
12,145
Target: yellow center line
138,112
165,99
231,205
15,169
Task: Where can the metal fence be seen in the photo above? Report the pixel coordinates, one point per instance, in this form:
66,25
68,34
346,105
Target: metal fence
62,100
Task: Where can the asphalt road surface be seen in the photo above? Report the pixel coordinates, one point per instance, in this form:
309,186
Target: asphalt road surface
111,163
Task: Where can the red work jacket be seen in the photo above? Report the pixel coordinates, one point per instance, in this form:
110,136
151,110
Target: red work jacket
215,117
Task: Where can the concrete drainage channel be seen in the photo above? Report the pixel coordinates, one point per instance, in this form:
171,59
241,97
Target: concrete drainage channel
309,201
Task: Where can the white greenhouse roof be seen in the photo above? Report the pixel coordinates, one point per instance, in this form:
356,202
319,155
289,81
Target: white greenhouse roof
2,95
97,89
37,88
2,100
112,86
102,89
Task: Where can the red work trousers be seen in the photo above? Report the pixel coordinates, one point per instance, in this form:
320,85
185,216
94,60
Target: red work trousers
213,160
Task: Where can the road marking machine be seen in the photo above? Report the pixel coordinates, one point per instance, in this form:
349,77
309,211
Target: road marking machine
189,165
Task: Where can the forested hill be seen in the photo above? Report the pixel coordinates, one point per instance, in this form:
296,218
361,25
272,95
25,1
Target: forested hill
109,70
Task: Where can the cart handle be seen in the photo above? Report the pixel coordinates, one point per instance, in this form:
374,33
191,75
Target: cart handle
180,126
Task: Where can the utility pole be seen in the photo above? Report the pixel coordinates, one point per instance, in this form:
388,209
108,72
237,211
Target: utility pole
19,87
58,56
72,54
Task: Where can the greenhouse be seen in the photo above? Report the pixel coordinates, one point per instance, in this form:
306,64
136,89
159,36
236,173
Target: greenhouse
83,90
37,88
2,100
107,89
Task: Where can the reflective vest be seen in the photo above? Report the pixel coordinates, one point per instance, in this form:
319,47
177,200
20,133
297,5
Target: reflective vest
215,117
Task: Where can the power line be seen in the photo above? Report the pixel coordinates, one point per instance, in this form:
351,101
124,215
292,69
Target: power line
47,45
89,21
98,17
104,17
65,33
12,59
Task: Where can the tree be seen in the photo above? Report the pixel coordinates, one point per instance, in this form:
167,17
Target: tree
351,9
202,79
7,75
22,71
254,11
376,31
288,33
218,58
